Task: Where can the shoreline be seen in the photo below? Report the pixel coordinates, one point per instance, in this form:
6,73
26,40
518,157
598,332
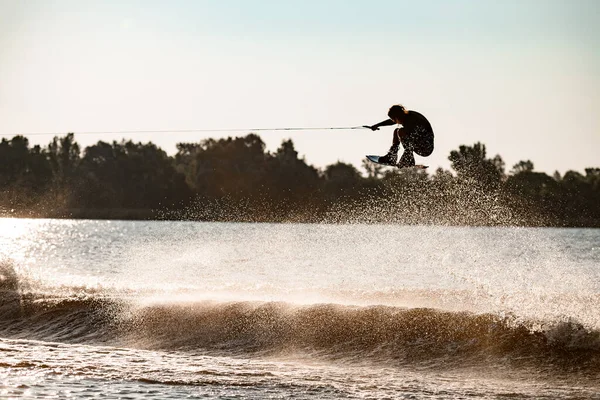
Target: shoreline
162,216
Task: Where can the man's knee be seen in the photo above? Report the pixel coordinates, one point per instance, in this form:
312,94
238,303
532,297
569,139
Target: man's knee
424,150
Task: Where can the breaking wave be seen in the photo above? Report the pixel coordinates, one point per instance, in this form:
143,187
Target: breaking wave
419,337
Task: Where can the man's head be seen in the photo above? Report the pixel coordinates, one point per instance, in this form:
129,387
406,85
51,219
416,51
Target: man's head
397,113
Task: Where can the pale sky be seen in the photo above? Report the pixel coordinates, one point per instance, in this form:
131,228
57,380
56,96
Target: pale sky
520,76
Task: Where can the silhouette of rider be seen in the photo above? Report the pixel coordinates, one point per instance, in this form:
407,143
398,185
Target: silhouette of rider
415,135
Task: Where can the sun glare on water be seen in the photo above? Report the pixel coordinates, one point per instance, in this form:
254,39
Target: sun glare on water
14,232
12,228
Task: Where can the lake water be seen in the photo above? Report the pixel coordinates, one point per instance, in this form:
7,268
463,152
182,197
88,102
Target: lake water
122,309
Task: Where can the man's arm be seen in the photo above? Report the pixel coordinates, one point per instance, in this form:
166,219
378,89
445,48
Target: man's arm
375,127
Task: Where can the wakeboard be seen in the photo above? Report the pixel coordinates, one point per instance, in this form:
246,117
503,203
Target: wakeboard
375,159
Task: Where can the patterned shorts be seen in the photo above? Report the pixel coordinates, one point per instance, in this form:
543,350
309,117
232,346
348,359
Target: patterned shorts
420,140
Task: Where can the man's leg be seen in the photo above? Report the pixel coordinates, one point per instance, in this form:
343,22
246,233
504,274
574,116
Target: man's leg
407,159
392,154
423,145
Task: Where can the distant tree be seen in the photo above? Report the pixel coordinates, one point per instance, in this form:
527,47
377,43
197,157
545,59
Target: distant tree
231,167
442,184
64,157
102,176
341,180
528,184
471,164
556,176
374,171
39,172
24,173
14,154
580,196
442,175
409,183
238,176
290,176
522,166
574,183
592,176
131,175
442,192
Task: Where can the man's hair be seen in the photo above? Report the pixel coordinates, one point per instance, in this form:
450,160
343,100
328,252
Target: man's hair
396,111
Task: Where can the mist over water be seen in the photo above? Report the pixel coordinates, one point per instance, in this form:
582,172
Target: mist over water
305,310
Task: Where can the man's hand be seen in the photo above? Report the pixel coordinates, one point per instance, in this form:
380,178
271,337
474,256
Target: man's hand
373,128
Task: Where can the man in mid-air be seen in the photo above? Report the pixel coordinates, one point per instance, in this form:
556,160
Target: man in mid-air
416,135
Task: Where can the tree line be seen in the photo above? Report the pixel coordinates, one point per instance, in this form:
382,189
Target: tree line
237,179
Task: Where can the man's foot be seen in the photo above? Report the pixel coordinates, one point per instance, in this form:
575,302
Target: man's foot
389,159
